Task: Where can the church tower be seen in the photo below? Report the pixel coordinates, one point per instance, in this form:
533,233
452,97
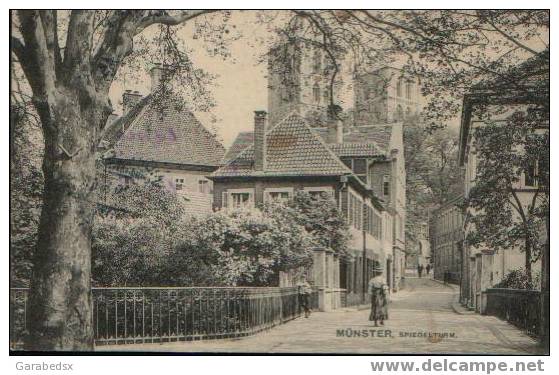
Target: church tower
385,96
299,74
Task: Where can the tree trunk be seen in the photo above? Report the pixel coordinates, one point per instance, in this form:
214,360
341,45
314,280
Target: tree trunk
60,314
528,260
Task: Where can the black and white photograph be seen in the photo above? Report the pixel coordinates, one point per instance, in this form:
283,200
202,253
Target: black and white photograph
271,182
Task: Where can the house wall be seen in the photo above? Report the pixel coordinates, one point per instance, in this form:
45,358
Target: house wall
357,269
447,236
196,202
487,267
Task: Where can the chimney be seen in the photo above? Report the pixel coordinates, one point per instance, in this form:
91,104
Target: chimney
260,140
157,74
335,126
129,100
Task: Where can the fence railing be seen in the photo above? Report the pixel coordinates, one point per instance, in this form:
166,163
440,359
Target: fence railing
521,308
146,315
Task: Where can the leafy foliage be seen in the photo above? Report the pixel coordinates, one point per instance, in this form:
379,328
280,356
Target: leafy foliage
433,176
506,152
156,245
520,279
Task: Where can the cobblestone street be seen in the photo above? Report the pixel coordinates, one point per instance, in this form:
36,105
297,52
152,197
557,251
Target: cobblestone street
424,307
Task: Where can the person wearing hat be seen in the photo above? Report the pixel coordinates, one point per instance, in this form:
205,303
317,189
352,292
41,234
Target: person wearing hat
378,290
304,290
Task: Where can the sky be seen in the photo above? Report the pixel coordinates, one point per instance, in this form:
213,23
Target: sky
240,86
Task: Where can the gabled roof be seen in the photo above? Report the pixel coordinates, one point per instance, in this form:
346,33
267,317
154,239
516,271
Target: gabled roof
292,149
363,141
356,149
243,140
165,133
375,134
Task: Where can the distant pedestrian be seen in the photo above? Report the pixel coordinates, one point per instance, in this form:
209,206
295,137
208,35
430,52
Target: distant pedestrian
446,277
304,291
428,268
378,290
419,270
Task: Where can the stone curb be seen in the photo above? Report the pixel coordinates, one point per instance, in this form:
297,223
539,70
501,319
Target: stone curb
456,306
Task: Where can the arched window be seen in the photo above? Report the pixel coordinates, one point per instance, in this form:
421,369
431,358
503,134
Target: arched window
316,93
399,113
399,87
317,61
408,90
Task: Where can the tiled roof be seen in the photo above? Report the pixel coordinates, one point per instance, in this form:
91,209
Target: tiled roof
356,149
368,140
376,134
243,140
169,135
292,149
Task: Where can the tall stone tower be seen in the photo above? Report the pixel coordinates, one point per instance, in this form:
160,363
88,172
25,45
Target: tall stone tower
299,75
385,96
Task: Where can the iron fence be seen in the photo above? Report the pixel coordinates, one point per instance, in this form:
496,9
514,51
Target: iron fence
147,315
521,308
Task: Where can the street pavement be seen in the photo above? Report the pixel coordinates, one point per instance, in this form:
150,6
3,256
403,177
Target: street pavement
421,321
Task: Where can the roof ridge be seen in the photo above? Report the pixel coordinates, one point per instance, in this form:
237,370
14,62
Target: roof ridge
324,144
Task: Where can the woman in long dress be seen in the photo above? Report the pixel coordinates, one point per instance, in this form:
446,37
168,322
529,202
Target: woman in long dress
378,290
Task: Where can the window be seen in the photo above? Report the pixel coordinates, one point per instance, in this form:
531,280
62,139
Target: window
240,199
126,180
203,186
179,183
531,175
236,198
408,90
316,94
280,195
386,185
355,214
317,62
399,113
320,191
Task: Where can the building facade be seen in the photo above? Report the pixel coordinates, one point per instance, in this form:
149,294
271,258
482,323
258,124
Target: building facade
483,267
385,95
162,140
446,237
291,157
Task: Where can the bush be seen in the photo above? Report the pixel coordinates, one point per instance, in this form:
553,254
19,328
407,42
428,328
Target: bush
518,279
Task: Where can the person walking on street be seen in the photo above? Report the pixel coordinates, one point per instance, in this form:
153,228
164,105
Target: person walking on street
419,270
304,291
428,268
378,290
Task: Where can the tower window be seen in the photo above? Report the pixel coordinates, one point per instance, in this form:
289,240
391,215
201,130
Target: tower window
317,62
316,94
408,90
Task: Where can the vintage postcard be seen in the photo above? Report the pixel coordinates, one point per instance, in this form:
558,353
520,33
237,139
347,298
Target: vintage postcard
280,181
